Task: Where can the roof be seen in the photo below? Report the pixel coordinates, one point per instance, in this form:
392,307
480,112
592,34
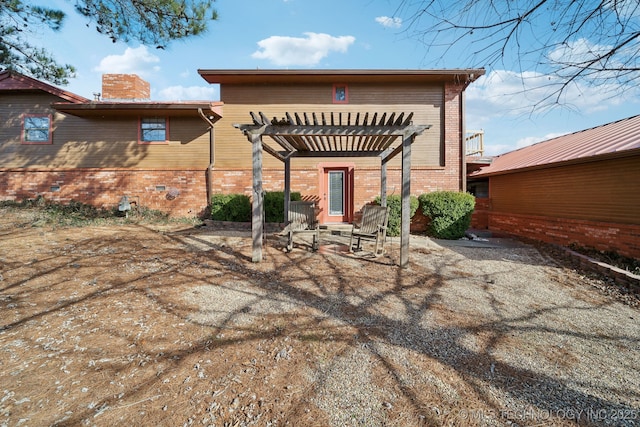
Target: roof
113,109
77,105
14,81
247,77
612,140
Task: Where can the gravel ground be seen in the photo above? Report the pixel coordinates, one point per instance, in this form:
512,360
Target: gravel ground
140,326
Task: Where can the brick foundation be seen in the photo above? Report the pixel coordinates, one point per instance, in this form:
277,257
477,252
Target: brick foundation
177,192
184,192
621,238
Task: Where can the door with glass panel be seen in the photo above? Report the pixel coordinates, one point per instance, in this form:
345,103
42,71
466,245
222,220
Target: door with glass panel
337,195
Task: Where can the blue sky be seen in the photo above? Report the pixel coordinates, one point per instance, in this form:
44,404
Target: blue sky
327,34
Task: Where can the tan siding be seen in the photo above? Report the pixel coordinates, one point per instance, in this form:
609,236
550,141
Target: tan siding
88,143
591,191
233,149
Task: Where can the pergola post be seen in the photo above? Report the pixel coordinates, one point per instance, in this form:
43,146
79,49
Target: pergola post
287,188
383,183
258,198
407,139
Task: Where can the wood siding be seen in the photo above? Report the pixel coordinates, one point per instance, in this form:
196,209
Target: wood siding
604,191
234,151
95,142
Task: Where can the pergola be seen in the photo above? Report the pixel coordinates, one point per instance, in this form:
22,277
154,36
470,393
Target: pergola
331,135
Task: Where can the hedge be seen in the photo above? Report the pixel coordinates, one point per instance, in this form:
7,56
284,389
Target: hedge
274,205
450,213
237,207
394,202
231,207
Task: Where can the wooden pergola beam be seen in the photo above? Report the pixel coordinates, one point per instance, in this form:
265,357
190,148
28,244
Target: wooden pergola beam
300,138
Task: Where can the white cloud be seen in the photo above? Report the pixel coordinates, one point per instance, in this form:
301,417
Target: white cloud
133,61
308,51
185,93
509,93
389,22
530,140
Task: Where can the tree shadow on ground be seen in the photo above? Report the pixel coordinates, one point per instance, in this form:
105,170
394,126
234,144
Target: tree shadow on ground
78,301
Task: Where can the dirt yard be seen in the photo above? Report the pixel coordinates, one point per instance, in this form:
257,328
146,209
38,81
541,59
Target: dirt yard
136,325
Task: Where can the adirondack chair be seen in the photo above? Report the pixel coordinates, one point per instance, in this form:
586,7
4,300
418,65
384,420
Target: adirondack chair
372,226
302,219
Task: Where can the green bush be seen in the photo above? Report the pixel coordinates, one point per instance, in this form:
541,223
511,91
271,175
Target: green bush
230,207
274,205
394,202
449,211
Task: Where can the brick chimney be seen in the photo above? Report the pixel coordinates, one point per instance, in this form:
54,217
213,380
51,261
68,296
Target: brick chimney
124,87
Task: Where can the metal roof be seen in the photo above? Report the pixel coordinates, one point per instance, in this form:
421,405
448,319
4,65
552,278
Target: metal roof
617,139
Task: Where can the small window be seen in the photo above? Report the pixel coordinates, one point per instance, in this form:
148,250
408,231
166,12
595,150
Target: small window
36,129
153,129
340,94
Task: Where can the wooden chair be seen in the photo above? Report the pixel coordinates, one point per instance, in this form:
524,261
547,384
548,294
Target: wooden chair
372,226
302,219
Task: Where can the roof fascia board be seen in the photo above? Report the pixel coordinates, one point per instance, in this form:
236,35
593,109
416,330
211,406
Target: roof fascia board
248,77
23,82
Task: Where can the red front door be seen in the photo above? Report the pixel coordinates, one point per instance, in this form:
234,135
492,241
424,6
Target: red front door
337,195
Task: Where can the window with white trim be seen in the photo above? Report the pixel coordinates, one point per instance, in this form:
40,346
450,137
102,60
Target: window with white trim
36,129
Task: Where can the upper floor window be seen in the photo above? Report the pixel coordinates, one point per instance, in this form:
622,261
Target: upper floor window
340,94
36,129
153,129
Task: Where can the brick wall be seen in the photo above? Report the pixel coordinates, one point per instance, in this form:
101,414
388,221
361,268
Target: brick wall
453,136
177,192
621,238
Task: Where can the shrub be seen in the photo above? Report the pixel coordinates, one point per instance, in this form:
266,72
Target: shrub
274,205
450,213
394,202
230,207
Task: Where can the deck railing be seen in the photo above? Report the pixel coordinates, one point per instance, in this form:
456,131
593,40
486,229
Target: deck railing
474,142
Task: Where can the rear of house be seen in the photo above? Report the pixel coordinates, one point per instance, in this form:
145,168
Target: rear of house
579,189
172,156
435,97
65,147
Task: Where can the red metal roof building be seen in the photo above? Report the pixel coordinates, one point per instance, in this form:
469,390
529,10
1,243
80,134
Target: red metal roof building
612,140
581,188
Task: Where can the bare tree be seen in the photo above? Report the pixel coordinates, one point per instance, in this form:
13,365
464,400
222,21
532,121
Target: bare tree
573,43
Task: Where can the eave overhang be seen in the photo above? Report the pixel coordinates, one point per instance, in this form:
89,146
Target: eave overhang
256,77
118,109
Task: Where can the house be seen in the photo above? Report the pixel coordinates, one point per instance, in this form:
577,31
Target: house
170,156
582,188
65,147
332,169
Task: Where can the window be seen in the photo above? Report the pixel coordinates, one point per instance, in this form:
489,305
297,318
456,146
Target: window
36,129
153,129
340,94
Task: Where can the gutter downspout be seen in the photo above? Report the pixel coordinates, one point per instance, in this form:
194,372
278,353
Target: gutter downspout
212,154
463,132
